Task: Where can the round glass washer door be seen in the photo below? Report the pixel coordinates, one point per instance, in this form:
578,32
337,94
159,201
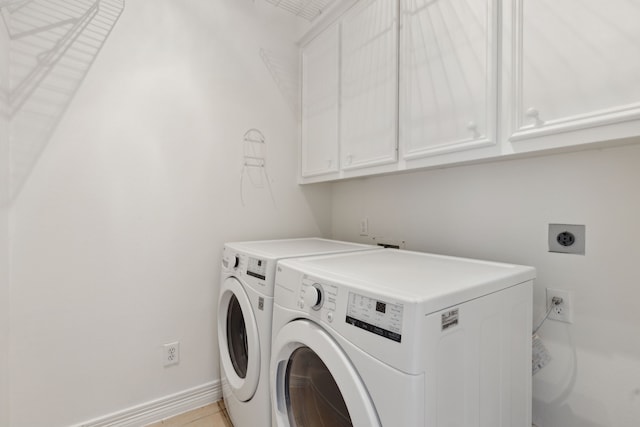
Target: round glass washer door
315,383
238,340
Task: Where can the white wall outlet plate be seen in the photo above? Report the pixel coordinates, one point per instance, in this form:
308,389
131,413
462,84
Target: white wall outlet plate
171,353
364,226
567,238
563,311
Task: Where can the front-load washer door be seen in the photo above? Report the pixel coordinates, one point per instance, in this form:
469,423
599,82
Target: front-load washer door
314,383
238,340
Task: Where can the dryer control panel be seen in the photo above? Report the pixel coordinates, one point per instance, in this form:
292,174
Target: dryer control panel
319,297
375,316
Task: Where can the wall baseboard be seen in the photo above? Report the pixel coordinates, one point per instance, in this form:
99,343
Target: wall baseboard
159,409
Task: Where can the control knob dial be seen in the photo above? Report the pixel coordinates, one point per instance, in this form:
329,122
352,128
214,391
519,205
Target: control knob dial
232,261
313,296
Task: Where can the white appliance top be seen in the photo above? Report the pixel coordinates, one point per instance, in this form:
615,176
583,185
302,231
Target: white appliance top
287,248
434,281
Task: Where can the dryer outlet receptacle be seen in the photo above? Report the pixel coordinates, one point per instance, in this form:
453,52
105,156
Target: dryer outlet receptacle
567,238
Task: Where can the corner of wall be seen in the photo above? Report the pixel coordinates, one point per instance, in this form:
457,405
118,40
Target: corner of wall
4,224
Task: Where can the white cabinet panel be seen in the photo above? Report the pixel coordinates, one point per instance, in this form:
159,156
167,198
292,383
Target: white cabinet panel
575,66
320,88
448,78
369,85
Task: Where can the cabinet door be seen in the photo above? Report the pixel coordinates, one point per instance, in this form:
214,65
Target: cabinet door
369,85
448,78
575,67
320,87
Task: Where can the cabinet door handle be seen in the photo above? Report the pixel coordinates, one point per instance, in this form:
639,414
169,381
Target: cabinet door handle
534,114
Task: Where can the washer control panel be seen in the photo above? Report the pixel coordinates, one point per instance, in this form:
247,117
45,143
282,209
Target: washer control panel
375,316
257,267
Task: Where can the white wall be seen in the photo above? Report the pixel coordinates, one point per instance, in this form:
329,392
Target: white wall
501,211
4,225
119,226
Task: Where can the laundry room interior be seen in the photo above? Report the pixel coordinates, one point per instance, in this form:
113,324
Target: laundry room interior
138,137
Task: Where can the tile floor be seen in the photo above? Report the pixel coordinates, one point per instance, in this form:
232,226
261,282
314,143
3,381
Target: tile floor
214,415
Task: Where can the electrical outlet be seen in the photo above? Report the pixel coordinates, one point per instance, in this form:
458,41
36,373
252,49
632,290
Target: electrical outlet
562,311
171,353
567,238
364,226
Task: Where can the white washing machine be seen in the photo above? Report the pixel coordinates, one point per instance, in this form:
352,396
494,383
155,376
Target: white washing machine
397,338
245,307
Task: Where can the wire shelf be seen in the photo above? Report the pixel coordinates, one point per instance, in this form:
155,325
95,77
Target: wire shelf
54,44
307,9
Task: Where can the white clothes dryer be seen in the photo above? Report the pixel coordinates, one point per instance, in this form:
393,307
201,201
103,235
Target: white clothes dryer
397,338
245,307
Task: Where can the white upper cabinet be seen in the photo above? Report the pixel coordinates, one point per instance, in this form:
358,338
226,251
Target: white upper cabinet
576,72
369,84
320,88
448,76
401,84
